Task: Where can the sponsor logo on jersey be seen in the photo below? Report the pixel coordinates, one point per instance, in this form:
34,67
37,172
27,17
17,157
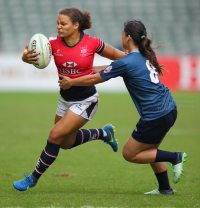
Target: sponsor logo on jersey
58,53
108,69
70,71
69,64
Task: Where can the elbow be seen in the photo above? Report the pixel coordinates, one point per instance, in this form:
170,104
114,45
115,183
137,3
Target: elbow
93,81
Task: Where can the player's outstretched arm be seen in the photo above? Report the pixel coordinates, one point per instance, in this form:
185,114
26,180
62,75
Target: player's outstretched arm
66,82
112,53
29,57
96,69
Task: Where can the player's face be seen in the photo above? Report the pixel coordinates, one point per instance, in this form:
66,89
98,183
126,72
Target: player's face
124,40
65,26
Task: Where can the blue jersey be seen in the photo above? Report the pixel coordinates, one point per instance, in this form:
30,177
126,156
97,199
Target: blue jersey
151,98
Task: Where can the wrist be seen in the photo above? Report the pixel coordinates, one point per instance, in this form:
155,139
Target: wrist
71,82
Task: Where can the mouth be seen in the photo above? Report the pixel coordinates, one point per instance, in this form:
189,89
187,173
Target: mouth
59,32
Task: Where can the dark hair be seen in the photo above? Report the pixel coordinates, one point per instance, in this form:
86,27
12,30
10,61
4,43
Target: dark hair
76,15
137,31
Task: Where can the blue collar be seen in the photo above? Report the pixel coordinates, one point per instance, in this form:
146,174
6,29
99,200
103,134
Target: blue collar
133,51
81,37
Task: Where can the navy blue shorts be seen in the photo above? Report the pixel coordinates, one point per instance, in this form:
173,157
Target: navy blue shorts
152,132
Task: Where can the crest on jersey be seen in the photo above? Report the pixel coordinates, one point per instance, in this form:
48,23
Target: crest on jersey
69,64
108,69
83,51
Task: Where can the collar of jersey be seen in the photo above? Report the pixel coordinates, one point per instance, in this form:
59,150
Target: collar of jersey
81,37
135,51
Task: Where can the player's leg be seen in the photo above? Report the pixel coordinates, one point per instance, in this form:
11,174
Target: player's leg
86,109
57,118
161,173
105,134
141,153
137,152
85,135
68,124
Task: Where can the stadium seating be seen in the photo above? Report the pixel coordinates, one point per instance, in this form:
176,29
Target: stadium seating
175,24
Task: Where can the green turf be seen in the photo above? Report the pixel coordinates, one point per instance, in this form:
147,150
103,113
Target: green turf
94,175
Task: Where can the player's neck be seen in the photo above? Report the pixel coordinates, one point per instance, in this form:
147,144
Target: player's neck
73,39
132,48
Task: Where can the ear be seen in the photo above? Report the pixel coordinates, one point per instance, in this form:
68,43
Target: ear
76,25
129,38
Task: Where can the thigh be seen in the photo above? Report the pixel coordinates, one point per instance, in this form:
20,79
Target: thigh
57,119
67,126
69,123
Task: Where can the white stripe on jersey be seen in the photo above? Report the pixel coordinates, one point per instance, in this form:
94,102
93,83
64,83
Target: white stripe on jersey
100,46
52,38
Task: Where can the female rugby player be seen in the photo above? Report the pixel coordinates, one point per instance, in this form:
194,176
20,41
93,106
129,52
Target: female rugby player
73,52
152,99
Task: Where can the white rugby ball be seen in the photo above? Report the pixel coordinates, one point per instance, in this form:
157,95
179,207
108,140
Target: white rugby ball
43,47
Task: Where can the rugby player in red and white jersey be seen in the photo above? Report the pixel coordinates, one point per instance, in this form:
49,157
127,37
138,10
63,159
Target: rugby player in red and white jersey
73,52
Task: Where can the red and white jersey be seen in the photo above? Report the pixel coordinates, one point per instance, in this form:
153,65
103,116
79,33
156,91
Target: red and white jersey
75,61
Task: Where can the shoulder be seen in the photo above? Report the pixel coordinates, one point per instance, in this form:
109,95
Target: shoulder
134,58
119,63
54,39
94,42
91,38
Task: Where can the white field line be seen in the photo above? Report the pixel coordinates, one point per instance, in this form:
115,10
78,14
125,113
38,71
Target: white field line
86,206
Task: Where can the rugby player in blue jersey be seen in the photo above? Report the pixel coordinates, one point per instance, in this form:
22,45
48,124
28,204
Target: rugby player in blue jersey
153,100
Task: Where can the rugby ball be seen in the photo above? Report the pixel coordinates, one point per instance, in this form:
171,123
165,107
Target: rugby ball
42,46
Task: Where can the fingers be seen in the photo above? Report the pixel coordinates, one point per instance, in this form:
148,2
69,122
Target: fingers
61,76
64,83
127,52
31,51
33,56
32,62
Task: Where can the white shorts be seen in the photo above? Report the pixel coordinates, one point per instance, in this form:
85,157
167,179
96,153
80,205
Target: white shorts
85,108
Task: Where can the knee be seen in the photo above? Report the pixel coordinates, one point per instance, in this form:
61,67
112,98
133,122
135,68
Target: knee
55,137
130,157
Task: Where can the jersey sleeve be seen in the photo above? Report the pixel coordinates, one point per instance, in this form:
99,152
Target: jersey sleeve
116,68
99,45
52,40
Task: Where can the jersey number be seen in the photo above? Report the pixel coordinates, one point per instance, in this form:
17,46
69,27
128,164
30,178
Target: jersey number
153,73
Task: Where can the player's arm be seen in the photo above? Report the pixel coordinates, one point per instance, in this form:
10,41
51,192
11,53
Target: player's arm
112,53
88,80
96,69
28,57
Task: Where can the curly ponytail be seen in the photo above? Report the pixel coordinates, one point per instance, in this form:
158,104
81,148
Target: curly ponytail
137,31
76,15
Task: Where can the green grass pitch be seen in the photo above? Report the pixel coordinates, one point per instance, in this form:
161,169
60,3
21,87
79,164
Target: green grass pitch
92,175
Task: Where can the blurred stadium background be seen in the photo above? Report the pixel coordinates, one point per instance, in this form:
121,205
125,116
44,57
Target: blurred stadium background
175,24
